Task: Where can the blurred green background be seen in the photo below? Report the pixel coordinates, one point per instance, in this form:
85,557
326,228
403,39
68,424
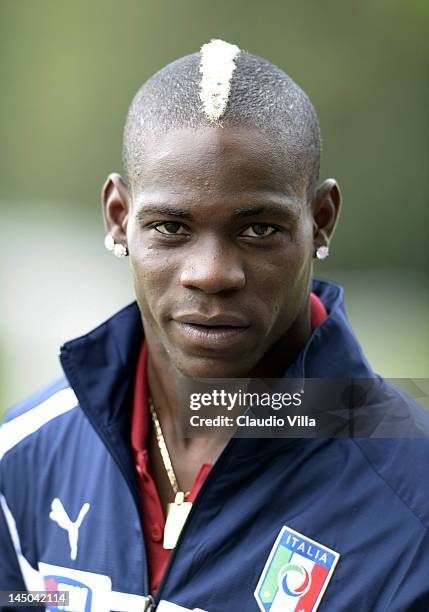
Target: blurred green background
68,73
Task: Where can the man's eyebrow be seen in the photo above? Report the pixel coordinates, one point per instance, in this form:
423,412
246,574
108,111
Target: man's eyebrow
242,212
163,211
253,211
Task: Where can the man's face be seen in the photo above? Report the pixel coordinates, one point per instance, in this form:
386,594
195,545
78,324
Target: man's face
220,237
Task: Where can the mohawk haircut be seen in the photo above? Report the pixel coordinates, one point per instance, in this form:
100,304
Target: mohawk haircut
224,86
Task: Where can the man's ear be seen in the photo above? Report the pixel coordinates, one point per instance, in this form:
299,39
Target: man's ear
115,202
326,209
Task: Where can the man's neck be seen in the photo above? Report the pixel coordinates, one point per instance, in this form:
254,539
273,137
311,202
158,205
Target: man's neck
284,352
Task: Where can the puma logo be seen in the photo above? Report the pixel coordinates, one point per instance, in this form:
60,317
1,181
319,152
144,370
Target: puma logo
60,516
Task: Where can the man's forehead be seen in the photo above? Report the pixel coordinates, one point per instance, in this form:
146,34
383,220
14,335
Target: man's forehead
218,159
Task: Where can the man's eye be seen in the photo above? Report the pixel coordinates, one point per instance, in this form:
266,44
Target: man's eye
259,230
170,228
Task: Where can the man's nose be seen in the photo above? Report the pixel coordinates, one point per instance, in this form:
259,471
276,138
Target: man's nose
212,268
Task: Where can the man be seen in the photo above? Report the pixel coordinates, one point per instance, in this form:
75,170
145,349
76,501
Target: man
221,217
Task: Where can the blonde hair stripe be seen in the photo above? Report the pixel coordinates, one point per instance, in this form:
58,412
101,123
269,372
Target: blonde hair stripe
217,67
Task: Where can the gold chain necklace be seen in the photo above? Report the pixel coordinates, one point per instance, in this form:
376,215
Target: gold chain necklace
178,511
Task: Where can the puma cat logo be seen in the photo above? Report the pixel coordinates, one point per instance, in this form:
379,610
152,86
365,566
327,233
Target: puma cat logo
60,516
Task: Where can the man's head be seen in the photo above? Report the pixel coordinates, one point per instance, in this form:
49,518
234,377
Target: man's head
220,210
253,93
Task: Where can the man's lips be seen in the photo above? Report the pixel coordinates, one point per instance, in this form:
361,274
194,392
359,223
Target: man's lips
216,320
219,331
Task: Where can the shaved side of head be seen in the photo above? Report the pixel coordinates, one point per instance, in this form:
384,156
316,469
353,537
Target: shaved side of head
222,86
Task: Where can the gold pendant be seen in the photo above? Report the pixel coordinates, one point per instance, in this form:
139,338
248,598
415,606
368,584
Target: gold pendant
177,513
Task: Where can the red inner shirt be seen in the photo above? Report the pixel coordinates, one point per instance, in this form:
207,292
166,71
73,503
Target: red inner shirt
151,509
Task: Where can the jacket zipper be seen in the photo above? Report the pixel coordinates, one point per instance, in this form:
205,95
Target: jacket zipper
149,605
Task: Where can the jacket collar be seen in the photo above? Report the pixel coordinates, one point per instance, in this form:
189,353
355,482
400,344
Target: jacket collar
333,350
101,365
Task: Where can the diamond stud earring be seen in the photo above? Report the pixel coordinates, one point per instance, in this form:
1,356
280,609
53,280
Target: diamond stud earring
109,243
322,252
120,250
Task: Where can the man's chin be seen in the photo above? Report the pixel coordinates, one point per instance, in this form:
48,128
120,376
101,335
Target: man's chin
206,367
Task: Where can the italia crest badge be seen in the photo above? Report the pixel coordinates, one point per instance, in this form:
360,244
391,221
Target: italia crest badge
296,574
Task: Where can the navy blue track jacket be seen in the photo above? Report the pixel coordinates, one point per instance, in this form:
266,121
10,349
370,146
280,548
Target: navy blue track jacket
70,507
